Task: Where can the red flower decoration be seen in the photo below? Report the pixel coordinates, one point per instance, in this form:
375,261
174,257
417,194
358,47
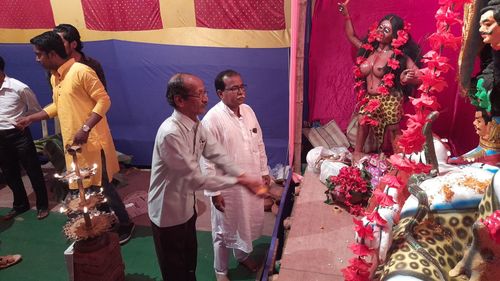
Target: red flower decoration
448,16
388,80
393,63
407,26
357,72
349,180
360,264
364,100
372,32
392,181
492,222
356,210
360,60
364,231
361,93
444,39
372,105
372,36
453,3
401,39
351,273
406,165
412,140
359,84
383,90
383,199
436,62
375,217
425,102
401,163
397,52
421,168
366,120
431,82
367,47
360,249
417,119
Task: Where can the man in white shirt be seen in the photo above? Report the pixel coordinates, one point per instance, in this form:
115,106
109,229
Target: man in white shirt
17,147
237,215
176,175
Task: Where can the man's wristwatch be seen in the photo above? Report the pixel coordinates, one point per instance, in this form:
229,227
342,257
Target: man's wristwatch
85,128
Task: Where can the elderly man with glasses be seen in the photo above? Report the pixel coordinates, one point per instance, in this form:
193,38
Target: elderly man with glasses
237,215
176,175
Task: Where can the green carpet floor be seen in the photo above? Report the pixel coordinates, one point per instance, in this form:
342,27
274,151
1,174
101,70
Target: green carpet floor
42,245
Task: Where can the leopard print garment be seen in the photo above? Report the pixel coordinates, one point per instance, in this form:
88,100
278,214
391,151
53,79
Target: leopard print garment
389,113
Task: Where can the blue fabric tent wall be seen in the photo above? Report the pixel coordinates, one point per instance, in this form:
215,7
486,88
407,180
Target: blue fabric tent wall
137,74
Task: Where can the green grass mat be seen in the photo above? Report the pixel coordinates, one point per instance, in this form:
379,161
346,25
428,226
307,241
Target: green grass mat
42,245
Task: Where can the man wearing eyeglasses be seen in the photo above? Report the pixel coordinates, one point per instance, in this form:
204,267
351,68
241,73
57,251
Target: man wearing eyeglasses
176,175
237,215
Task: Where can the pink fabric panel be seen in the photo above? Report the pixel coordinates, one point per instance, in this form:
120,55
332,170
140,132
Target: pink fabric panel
240,14
331,94
124,15
22,14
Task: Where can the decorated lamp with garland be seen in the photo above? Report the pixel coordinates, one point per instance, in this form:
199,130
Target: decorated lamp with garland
86,222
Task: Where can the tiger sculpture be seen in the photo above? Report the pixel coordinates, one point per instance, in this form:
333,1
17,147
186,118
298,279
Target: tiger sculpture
428,243
481,261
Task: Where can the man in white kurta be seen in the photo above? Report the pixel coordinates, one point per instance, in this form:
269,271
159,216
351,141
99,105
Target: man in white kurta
237,215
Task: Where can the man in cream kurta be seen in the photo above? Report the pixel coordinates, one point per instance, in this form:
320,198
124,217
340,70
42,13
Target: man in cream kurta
81,102
237,215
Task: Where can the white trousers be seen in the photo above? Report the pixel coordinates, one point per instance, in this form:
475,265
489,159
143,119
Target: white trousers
221,254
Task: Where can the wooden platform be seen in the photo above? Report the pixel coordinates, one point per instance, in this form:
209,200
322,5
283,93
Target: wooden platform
316,247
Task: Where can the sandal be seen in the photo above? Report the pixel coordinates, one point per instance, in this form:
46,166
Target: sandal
6,261
41,214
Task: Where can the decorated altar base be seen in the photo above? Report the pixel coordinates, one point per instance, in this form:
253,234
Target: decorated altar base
316,246
99,259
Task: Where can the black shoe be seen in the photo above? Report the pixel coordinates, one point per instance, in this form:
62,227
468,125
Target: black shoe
125,232
14,213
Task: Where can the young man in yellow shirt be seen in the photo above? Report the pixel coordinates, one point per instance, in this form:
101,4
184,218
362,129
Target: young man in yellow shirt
81,102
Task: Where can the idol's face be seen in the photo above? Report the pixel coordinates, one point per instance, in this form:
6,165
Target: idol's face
384,32
490,30
480,124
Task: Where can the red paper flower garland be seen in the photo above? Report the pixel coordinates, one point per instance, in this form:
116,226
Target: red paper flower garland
412,139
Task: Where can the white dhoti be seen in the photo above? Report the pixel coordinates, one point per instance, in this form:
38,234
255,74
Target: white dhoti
242,220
